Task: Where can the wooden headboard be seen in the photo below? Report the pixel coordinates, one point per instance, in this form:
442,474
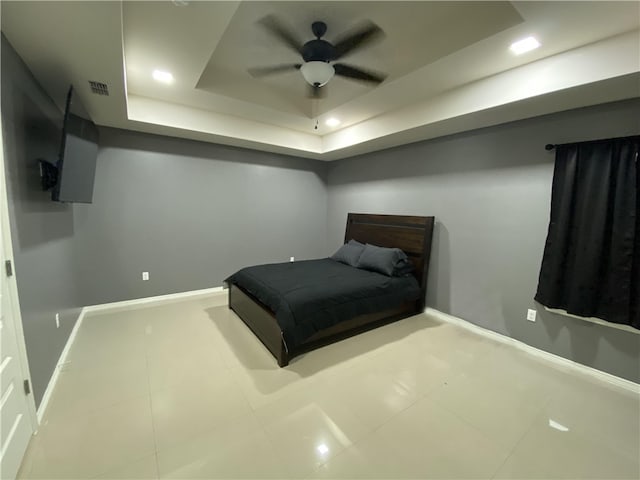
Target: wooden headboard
410,234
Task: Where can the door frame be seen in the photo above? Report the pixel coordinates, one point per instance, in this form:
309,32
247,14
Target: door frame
14,298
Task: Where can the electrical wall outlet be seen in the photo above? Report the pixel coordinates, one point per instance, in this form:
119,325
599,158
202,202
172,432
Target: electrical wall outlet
531,315
57,320
291,259
145,276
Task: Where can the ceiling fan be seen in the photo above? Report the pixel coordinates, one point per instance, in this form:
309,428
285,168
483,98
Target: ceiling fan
319,55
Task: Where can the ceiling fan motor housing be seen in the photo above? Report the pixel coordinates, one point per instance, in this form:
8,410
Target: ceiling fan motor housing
317,51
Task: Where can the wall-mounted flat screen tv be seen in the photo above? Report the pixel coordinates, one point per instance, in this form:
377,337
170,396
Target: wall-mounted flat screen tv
76,166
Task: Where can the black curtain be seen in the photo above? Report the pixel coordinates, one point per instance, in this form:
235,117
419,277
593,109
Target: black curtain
591,264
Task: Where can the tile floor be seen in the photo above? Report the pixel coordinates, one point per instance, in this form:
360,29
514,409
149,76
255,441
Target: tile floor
184,390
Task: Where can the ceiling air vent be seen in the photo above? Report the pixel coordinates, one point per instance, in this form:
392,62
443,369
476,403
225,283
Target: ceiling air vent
99,88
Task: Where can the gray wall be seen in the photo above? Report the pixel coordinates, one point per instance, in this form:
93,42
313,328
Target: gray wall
490,192
42,231
191,214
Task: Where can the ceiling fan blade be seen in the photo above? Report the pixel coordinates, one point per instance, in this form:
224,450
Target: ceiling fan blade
316,92
360,38
283,33
356,73
258,72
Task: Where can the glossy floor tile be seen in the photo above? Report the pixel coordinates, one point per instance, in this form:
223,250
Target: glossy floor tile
184,390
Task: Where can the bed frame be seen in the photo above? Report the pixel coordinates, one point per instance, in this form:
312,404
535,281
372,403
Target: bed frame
409,233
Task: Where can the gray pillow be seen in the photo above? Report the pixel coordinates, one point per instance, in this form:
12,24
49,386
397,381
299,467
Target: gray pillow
403,269
349,253
382,260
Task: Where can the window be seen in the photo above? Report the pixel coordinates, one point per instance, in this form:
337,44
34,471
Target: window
591,262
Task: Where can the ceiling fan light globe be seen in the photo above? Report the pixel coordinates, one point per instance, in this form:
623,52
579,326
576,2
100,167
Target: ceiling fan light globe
317,74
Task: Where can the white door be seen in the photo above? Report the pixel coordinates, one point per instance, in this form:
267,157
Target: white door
17,408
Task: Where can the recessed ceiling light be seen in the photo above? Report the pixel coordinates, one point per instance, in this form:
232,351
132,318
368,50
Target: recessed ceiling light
558,426
322,449
162,76
332,122
524,45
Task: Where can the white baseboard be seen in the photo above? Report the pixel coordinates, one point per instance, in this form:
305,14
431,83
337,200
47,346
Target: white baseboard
155,300
44,403
550,357
109,306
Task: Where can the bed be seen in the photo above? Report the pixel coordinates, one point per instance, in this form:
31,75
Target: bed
272,299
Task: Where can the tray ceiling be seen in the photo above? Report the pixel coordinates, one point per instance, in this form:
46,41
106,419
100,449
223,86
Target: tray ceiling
416,34
448,63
